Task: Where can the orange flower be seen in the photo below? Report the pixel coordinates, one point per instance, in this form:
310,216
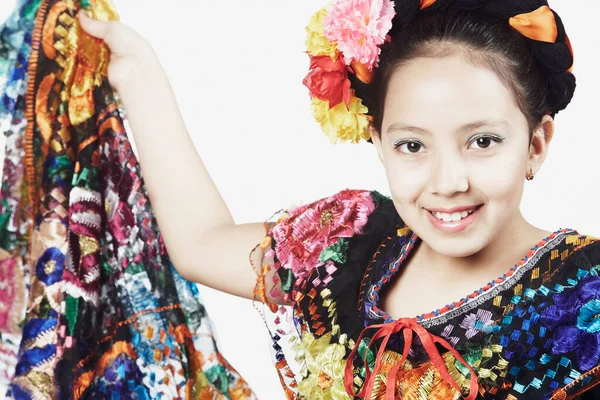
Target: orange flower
362,71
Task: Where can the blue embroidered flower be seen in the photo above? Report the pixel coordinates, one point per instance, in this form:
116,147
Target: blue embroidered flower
50,265
575,320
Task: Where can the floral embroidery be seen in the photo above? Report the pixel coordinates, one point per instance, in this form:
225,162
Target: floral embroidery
475,323
575,319
336,252
323,368
50,266
310,229
90,304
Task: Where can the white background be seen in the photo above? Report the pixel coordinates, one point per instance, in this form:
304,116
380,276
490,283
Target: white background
236,67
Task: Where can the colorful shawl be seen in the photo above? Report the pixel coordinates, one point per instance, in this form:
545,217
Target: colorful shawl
90,303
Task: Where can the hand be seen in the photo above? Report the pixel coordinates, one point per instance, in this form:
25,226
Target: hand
130,52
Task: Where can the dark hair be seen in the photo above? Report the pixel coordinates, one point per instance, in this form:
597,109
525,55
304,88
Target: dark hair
485,41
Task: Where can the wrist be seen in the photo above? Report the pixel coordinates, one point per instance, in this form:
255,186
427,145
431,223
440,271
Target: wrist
137,71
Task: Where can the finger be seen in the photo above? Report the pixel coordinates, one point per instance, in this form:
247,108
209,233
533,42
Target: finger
121,39
93,27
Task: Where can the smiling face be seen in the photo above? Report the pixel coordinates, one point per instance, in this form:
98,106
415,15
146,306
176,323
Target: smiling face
456,149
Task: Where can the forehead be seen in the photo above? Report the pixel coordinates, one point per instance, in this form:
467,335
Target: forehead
440,91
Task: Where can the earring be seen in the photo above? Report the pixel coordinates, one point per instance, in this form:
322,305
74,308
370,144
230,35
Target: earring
529,175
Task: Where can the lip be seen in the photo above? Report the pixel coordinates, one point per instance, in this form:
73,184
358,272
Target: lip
454,226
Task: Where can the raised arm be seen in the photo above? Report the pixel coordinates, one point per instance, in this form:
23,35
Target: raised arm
204,243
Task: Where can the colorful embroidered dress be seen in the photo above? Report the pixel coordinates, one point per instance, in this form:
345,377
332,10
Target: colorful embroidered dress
533,333
90,304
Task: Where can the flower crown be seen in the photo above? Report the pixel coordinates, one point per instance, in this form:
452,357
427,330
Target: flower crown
345,38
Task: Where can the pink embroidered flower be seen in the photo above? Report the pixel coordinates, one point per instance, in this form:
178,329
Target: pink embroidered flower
311,228
359,27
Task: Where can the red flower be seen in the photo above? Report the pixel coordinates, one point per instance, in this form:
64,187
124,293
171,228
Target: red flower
311,228
328,80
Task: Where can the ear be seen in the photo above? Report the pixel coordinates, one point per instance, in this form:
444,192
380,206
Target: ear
376,139
540,141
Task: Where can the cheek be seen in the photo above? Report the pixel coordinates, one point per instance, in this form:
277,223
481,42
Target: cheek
407,181
497,178
500,178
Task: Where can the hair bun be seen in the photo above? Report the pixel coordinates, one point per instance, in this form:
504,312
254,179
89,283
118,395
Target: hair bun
555,58
561,88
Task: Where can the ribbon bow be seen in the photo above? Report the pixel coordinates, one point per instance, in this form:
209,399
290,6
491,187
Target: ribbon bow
407,326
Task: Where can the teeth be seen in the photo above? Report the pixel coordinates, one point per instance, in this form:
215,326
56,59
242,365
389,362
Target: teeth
453,217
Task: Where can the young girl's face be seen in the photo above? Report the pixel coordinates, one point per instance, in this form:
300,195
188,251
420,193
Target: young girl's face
455,148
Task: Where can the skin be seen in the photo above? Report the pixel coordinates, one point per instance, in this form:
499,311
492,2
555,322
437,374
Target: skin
443,164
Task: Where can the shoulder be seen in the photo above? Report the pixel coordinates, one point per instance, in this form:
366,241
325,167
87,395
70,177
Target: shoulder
324,250
303,233
338,232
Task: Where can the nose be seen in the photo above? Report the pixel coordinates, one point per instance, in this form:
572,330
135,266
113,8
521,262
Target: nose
449,176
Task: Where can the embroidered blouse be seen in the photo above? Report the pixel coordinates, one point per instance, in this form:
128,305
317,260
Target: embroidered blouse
533,333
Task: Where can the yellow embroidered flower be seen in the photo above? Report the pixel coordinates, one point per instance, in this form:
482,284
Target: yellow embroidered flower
340,122
316,42
324,368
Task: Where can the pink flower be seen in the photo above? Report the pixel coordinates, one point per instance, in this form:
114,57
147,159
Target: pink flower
359,27
311,228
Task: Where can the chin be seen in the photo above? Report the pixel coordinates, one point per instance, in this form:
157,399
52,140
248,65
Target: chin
449,245
453,249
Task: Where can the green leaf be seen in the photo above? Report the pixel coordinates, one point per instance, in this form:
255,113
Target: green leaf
335,252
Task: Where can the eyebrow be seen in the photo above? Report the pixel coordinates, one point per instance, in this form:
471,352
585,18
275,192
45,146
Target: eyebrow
398,126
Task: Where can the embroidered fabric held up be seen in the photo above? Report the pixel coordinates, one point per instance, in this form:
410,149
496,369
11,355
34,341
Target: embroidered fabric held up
90,305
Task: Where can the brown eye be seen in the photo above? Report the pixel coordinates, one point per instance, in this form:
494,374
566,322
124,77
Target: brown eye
410,147
485,142
413,147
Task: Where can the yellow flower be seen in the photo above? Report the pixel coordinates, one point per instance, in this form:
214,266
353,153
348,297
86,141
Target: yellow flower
340,122
316,42
324,368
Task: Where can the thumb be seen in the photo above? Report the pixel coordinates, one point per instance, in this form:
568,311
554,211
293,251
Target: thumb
121,39
93,27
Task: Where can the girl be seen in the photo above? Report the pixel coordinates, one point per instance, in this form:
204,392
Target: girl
458,99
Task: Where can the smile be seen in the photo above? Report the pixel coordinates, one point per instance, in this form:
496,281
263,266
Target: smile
451,217
455,219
